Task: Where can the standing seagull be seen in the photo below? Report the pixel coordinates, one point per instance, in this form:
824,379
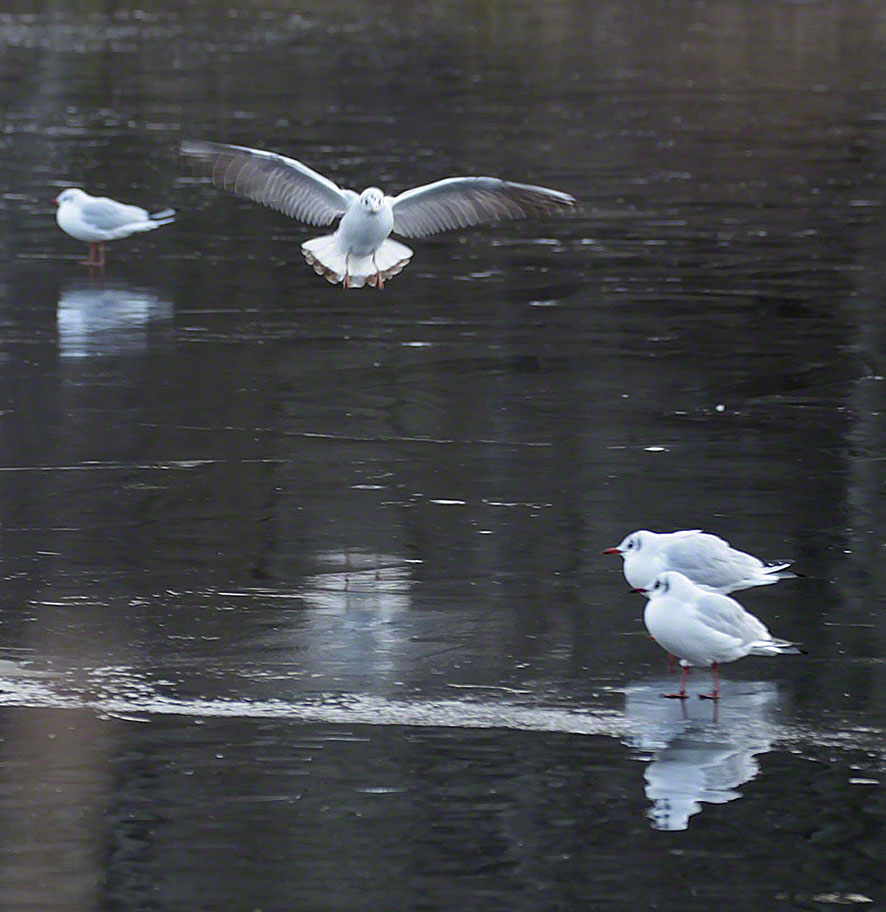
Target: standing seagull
704,628
360,252
96,219
706,559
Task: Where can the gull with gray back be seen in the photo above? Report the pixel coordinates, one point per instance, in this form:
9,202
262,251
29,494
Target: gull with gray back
704,628
360,251
706,559
96,219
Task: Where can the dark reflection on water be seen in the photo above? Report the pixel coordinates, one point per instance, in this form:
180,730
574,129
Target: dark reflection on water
302,602
231,813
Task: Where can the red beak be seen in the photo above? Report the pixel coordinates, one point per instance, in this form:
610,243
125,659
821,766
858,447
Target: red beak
55,201
639,589
611,551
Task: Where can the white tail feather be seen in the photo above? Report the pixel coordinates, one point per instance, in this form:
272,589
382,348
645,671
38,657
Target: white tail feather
778,570
775,647
135,227
330,261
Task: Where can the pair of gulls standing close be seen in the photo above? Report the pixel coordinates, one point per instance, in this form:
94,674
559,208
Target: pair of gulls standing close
360,252
686,576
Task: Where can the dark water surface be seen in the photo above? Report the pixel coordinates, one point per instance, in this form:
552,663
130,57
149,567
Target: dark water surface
302,602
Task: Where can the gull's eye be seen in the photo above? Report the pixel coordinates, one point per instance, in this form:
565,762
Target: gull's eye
657,584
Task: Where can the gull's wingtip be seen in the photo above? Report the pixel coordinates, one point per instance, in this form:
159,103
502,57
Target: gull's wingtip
566,198
204,148
197,147
558,197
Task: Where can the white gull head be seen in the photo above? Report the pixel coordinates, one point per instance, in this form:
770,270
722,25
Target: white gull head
372,199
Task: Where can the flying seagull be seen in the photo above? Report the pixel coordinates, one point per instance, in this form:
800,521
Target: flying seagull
96,219
360,252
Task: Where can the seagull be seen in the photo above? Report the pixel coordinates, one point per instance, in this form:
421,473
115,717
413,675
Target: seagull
704,628
96,219
706,559
360,252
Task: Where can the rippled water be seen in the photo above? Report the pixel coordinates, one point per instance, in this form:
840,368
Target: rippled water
302,601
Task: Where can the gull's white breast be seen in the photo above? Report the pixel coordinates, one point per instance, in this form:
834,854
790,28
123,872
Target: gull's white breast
69,218
361,232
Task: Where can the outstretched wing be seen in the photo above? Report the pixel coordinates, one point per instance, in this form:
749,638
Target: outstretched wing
458,202
282,183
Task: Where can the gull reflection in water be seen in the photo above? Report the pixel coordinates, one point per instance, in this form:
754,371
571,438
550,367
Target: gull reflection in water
699,752
109,319
361,599
355,579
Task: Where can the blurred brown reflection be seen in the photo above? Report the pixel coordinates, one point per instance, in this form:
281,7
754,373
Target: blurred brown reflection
57,790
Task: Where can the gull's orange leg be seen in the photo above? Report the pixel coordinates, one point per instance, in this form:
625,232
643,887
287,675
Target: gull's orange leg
715,693
681,693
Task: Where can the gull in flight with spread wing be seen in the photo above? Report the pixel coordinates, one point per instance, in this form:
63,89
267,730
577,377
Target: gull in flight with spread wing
96,219
704,628
360,252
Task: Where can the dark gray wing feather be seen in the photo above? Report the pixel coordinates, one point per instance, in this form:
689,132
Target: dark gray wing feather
282,183
459,202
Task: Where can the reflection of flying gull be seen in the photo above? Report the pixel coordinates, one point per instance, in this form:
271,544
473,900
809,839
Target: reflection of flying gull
96,219
704,628
360,251
707,560
693,760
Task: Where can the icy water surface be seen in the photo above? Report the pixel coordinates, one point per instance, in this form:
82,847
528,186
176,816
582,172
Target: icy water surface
302,599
